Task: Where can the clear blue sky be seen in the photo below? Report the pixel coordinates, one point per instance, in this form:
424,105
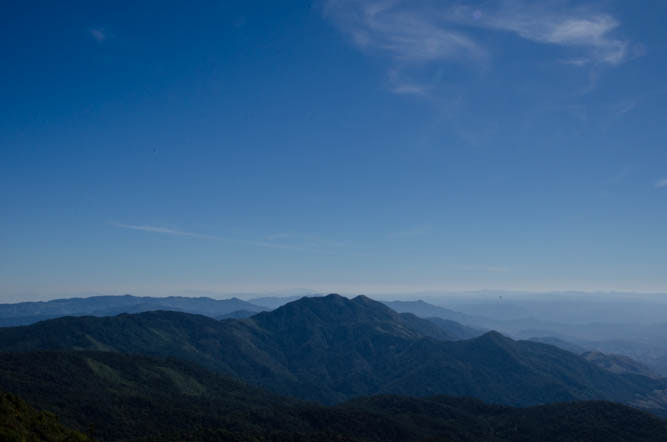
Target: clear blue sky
351,146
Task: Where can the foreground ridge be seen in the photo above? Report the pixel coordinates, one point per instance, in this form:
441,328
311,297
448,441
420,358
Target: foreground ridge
130,397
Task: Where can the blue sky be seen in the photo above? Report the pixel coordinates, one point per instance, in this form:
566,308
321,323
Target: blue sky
350,146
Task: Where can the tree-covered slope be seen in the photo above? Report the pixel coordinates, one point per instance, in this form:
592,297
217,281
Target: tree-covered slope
133,398
19,422
124,396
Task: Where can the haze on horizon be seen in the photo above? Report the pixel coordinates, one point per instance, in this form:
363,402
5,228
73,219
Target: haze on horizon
352,146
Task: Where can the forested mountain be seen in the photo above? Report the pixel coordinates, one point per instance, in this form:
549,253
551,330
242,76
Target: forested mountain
131,398
331,349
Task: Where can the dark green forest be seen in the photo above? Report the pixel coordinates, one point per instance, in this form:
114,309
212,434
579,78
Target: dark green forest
19,422
118,397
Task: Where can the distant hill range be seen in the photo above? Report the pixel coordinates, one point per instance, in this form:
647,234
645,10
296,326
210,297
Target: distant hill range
644,343
444,317
119,397
237,314
331,349
560,343
30,312
618,364
426,310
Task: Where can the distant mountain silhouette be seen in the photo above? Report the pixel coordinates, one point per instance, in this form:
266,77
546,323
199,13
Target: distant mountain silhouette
427,310
614,363
30,312
332,348
237,314
618,364
447,319
273,302
457,330
560,343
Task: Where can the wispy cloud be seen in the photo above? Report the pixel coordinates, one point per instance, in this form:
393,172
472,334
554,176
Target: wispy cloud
552,23
402,85
409,88
576,61
165,230
306,240
98,35
405,32
661,183
303,243
425,32
623,107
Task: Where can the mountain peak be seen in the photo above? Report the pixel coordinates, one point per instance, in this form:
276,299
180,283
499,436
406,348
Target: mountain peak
494,339
332,309
494,336
363,299
333,312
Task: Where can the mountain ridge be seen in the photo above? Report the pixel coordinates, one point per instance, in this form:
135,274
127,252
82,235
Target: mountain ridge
331,349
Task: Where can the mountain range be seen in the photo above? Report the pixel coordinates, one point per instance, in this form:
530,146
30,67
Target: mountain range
331,349
642,341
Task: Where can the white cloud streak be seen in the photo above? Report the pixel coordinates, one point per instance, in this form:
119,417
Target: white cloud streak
661,183
400,30
165,230
306,243
419,33
543,23
404,85
410,36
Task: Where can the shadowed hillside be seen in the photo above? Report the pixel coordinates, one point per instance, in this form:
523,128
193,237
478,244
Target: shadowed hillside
21,423
135,398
